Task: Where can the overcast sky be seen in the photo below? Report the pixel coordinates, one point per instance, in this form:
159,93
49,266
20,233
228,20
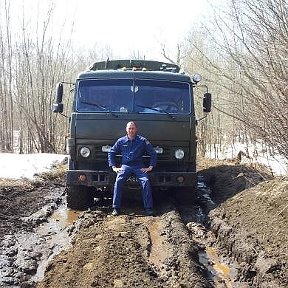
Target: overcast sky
126,26
131,25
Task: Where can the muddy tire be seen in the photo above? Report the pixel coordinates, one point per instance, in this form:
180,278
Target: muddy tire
185,195
79,197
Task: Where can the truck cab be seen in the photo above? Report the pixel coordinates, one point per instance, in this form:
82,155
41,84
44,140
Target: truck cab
111,93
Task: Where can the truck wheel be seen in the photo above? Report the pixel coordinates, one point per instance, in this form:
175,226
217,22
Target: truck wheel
79,197
185,195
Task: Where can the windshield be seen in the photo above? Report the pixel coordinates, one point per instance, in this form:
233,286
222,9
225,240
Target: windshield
139,96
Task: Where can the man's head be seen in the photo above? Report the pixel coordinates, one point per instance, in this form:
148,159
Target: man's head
131,130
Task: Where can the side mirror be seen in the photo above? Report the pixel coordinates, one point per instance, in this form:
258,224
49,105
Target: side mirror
59,93
57,108
207,100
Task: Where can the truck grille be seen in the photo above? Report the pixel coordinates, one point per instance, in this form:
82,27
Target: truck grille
166,155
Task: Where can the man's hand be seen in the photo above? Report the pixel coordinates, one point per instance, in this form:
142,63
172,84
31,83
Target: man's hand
145,170
116,170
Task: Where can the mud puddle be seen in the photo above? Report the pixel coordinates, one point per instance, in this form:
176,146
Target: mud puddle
24,256
218,271
56,236
64,216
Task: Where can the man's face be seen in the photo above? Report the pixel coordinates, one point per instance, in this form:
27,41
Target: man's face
131,130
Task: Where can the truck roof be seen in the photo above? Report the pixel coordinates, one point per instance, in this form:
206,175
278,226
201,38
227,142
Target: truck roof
130,69
134,64
119,74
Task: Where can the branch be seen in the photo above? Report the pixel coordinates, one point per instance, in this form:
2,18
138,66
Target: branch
167,57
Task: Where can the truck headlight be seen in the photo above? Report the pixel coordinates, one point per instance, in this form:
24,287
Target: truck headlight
179,154
158,150
85,152
106,148
197,78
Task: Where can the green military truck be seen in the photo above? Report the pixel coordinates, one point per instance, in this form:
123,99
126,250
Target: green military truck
111,93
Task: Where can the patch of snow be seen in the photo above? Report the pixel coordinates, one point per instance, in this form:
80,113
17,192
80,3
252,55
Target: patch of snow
278,164
17,166
251,153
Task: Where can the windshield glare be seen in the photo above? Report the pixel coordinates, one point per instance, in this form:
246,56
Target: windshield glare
139,96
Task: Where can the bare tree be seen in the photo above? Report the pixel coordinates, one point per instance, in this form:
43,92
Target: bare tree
6,117
246,59
32,61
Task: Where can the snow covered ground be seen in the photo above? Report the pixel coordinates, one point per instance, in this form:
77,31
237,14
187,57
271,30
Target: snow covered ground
16,166
256,153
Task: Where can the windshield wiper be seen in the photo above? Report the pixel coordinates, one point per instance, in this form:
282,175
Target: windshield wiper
102,107
158,110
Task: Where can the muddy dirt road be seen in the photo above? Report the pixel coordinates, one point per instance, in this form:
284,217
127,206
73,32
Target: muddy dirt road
234,235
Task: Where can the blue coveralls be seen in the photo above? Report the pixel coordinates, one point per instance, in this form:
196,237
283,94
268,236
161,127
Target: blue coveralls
132,162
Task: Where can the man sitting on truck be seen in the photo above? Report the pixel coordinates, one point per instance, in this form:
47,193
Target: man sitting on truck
132,147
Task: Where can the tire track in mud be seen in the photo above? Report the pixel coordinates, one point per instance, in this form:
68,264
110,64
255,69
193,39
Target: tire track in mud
128,251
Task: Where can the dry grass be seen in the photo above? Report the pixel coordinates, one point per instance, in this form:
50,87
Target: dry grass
57,172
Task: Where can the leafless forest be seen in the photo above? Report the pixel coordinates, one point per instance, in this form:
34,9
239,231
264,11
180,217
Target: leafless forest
240,52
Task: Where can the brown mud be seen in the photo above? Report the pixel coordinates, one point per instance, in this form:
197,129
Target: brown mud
234,235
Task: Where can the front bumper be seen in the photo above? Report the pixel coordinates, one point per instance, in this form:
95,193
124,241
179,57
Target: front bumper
106,178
